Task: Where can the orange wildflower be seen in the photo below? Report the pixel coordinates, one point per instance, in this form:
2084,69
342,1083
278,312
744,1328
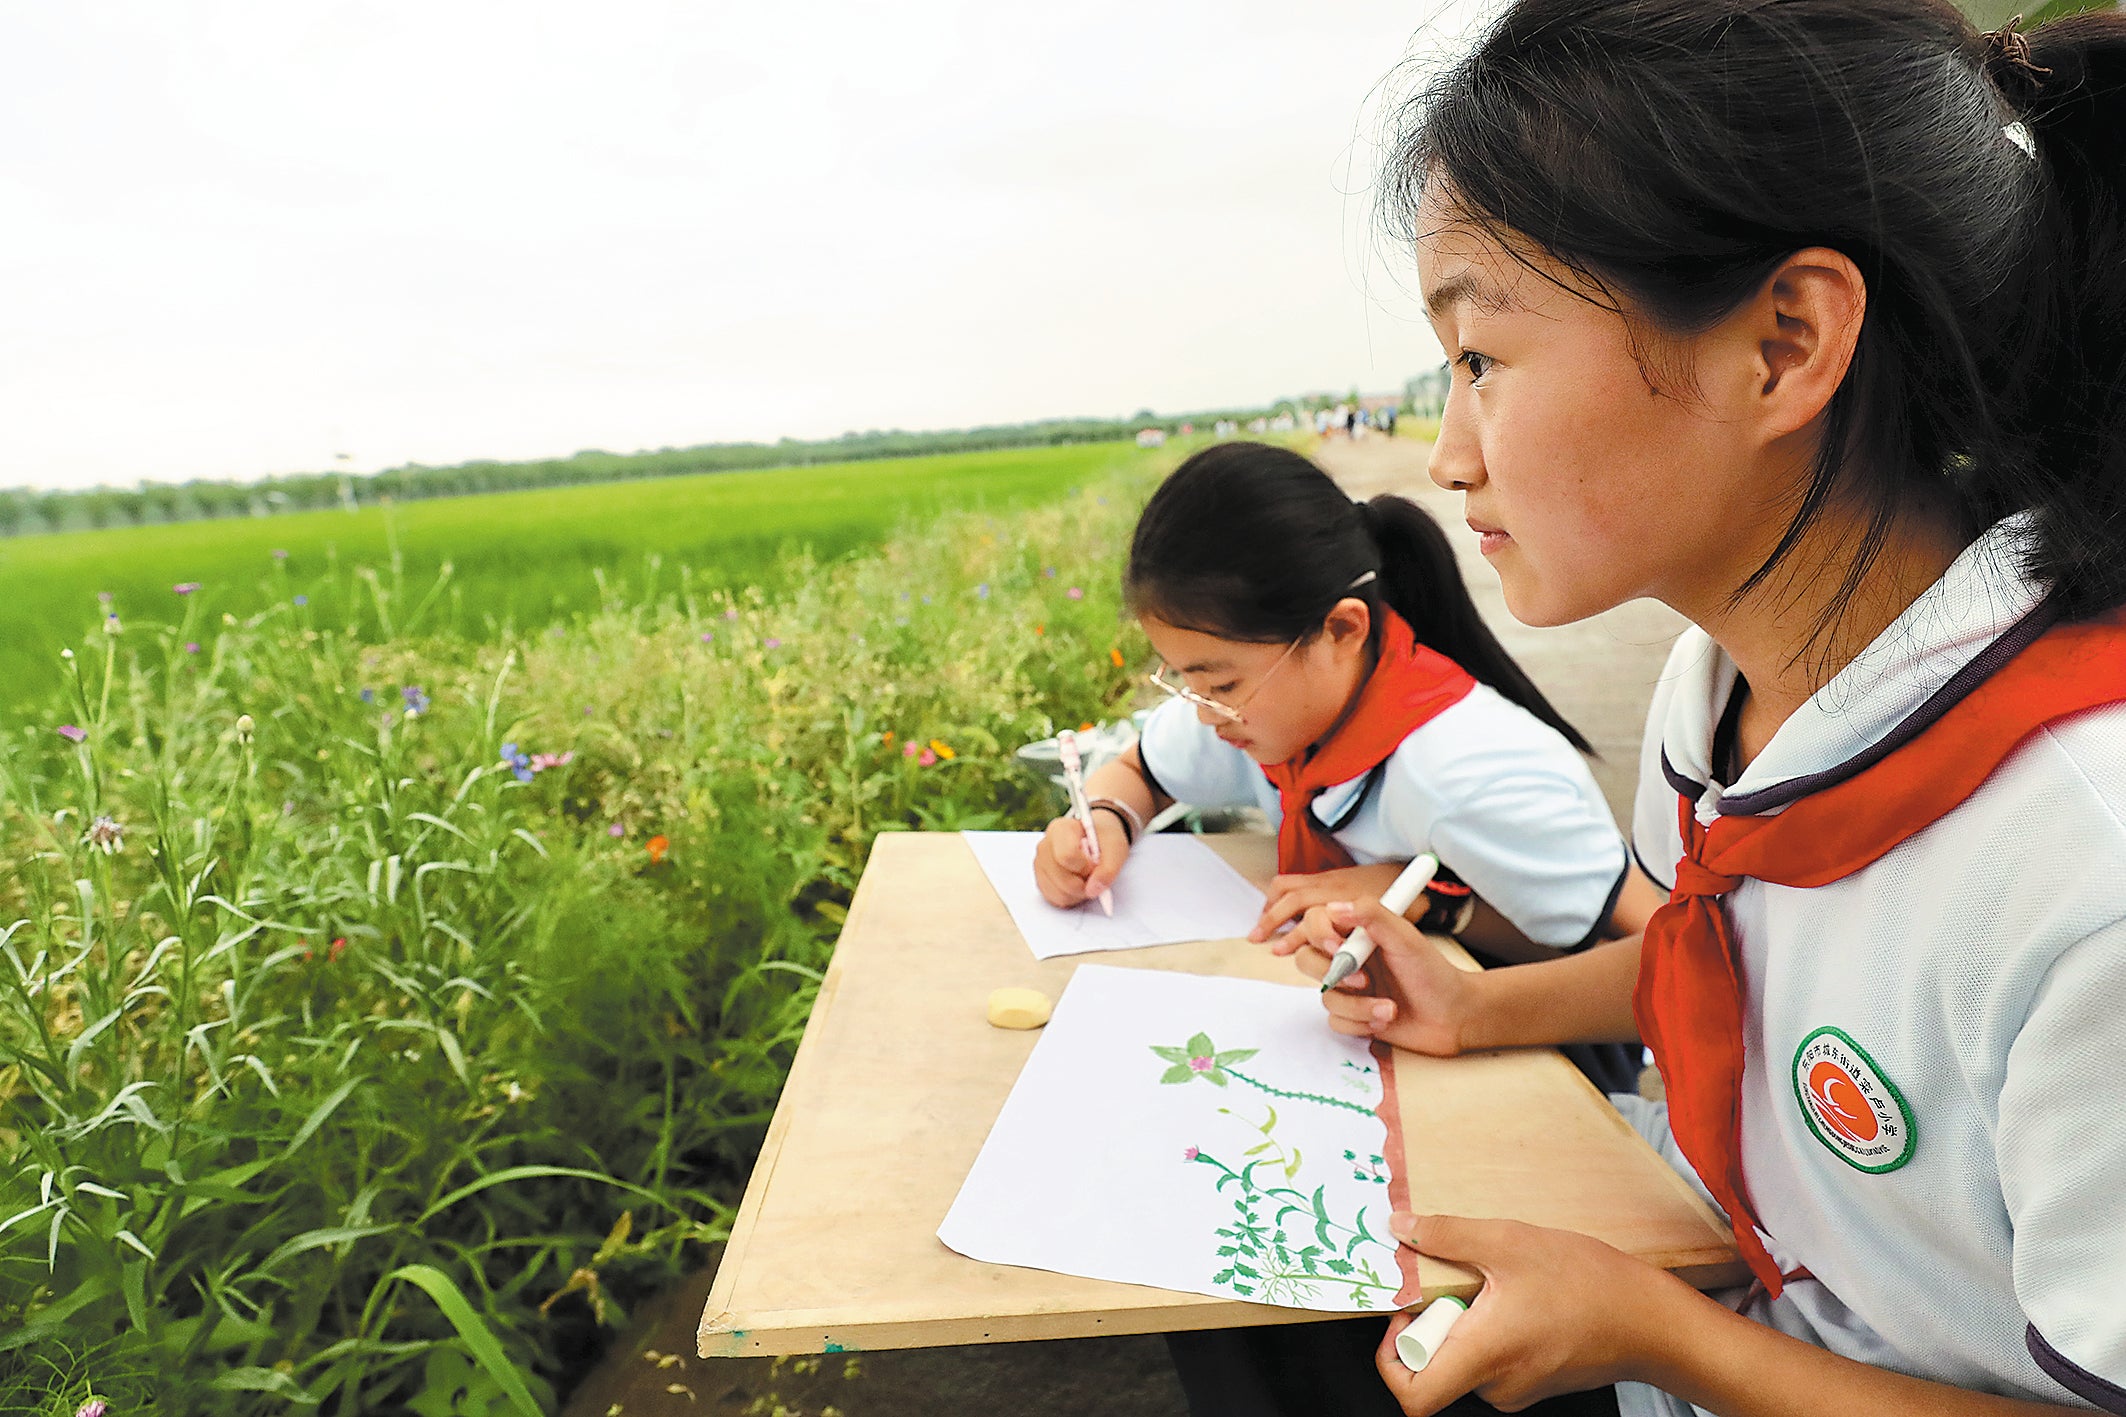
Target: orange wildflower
1115,656
659,846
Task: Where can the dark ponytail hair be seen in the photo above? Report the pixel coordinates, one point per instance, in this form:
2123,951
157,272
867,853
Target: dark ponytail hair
1671,153
1252,542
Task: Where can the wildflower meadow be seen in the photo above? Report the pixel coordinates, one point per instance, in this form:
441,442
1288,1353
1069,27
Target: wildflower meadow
384,1011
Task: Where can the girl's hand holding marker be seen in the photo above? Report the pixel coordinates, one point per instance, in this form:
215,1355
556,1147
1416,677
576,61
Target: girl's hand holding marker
1357,947
1081,853
1406,993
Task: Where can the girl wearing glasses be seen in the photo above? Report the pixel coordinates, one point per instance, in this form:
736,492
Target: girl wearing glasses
1324,662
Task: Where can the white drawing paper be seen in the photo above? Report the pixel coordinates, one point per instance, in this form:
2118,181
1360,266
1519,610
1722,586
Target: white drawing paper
1171,888
1204,1134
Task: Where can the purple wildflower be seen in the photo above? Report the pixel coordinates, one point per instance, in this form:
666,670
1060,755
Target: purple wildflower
1049,572
368,696
771,643
106,835
982,591
520,763
71,733
191,646
94,1407
302,600
708,637
416,701
110,624
184,587
616,830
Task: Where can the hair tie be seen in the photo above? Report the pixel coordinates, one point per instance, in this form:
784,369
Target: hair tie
2009,65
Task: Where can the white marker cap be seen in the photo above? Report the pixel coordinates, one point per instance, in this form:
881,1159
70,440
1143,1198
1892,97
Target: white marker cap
1416,1344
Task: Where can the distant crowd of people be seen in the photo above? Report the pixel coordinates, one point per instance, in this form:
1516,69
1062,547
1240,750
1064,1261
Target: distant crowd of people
1353,421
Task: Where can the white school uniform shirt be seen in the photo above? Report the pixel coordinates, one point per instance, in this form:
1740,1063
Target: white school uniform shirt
1967,1223
1497,794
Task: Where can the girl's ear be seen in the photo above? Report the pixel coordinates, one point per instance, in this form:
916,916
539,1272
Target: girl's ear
1805,322
1347,626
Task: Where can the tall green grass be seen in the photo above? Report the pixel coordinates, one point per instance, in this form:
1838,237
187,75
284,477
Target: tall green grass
383,1011
512,558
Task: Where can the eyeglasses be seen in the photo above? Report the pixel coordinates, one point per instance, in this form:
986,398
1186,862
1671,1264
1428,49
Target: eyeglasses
1229,712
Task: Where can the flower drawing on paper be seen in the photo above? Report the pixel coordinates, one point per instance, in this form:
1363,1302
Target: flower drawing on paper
1286,1246
1367,1168
1198,1058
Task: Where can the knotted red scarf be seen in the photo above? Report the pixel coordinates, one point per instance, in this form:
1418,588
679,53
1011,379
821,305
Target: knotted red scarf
1407,688
1689,1001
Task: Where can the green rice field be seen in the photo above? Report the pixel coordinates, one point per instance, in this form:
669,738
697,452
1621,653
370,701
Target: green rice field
476,565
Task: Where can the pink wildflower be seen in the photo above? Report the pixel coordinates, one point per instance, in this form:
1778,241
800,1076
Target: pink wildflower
71,733
925,758
1076,592
1191,1154
184,587
1201,1065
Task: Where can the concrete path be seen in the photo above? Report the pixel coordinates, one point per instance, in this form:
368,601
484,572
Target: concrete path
1600,674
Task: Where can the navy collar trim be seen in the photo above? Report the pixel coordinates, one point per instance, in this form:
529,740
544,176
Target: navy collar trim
1983,666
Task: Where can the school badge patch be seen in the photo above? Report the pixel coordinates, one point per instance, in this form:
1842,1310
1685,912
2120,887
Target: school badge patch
1848,1102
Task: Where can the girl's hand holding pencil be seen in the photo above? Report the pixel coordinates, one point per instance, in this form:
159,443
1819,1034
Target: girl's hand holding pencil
1065,870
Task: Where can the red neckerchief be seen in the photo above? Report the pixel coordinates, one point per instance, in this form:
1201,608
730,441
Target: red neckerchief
1407,688
1689,999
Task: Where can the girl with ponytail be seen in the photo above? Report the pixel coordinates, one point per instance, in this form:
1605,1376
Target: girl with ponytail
1324,662
1808,318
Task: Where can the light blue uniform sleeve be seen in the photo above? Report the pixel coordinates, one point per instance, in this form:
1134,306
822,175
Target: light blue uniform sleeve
2062,1151
1507,804
1538,852
1189,762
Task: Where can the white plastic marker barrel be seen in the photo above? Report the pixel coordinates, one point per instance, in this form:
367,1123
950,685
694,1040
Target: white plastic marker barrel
1416,1344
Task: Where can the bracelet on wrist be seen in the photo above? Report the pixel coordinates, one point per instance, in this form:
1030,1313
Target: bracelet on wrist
1449,907
1132,824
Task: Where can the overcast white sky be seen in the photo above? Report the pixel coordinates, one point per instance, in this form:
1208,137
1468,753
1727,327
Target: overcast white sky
238,239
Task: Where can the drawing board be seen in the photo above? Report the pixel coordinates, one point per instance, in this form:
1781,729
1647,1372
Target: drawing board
900,1078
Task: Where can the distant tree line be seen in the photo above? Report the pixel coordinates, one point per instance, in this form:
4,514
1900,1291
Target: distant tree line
24,510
